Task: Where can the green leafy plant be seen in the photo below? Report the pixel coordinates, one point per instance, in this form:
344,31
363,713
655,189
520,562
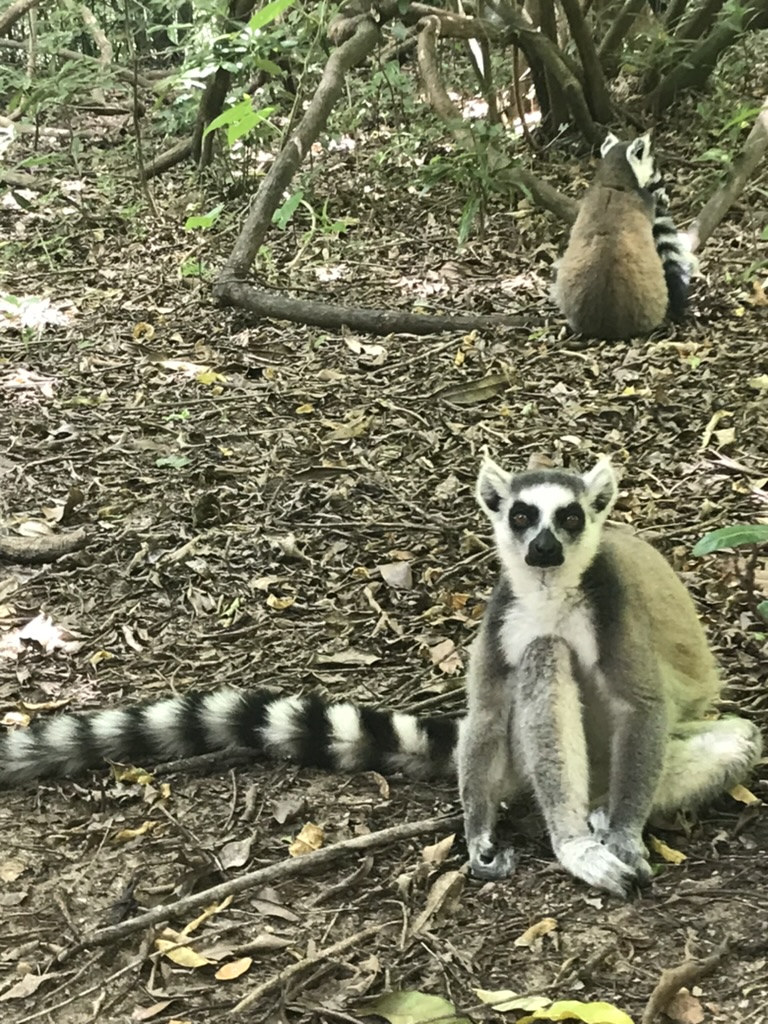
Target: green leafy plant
753,535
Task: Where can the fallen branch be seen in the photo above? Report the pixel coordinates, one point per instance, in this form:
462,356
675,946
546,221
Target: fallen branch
42,549
309,961
741,170
686,974
231,292
274,873
170,158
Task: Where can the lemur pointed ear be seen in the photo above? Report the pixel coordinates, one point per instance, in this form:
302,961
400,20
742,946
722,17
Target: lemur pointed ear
608,143
492,487
601,486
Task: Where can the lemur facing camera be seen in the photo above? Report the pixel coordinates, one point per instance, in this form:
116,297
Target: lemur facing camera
588,684
625,267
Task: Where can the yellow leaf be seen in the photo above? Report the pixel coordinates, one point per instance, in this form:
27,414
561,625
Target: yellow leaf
458,359
228,972
98,656
504,1000
304,410
572,1009
184,956
280,603
759,383
666,852
744,796
536,931
210,377
310,838
131,774
126,834
143,331
209,911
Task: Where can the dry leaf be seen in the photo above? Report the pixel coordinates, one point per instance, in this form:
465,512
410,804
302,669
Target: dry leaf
397,575
684,1008
182,955
280,603
437,853
443,898
350,656
310,838
148,1012
12,869
25,987
235,854
230,971
445,656
667,853
504,1000
536,931
126,834
744,796
572,1009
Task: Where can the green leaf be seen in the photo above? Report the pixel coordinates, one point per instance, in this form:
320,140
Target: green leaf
414,1008
204,220
268,13
468,215
589,1013
731,537
235,113
762,610
175,461
283,214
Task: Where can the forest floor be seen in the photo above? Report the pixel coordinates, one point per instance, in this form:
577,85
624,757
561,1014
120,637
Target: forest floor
271,504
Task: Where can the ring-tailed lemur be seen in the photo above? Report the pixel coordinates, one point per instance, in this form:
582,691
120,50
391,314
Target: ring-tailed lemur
625,266
587,684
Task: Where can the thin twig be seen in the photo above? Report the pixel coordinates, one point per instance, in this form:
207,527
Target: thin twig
273,873
322,954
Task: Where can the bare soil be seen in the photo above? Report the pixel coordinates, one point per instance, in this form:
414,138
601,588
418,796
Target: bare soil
241,485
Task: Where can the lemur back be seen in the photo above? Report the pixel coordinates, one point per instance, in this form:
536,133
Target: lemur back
624,265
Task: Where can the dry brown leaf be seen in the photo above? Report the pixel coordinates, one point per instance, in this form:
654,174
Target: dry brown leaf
125,835
149,1012
230,971
437,853
12,869
25,987
445,656
536,931
310,838
280,603
236,853
684,1008
182,955
442,899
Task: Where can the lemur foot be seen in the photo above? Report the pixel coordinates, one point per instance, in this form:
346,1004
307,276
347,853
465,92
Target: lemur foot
626,844
490,862
592,862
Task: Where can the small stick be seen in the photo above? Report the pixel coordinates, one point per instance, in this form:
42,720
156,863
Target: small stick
273,873
322,954
674,978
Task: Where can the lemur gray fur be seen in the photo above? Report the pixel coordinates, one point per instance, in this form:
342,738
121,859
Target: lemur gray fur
587,685
625,267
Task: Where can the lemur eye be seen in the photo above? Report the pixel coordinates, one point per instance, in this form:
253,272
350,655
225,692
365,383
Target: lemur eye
520,521
572,522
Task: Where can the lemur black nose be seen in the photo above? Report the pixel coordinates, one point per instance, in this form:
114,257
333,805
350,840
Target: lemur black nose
545,550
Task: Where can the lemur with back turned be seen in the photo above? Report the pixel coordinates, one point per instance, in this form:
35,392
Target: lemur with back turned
590,685
625,268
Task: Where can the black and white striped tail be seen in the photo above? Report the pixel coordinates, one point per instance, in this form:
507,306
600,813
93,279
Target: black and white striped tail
340,736
676,258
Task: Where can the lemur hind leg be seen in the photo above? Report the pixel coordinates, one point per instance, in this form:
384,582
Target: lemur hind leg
705,758
549,734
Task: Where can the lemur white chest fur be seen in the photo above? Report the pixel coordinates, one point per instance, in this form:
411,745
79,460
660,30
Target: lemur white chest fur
550,611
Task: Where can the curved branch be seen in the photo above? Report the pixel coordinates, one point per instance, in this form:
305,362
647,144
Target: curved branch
741,170
543,194
14,13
